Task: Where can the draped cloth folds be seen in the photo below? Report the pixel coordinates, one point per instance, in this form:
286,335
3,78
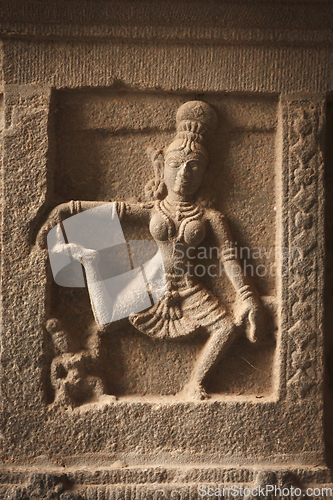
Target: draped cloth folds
184,309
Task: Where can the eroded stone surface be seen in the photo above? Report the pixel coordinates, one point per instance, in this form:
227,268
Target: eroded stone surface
97,409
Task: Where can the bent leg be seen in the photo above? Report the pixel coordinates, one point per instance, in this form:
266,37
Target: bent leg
222,335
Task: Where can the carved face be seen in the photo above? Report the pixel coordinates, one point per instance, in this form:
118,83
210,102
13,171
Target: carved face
184,172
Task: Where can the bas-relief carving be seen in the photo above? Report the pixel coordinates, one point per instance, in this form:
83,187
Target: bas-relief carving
80,358
305,124
179,216
284,484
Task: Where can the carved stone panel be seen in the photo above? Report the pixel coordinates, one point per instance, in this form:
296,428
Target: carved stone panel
162,258
84,367
95,134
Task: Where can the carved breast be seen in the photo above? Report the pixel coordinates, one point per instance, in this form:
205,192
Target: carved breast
191,232
194,233
158,228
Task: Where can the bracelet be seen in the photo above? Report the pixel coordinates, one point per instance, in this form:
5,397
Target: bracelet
75,207
72,207
228,253
78,207
245,292
121,209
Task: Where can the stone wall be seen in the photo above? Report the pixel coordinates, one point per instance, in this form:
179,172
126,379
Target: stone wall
97,411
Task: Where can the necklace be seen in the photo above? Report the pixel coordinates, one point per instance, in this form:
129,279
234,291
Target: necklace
182,212
179,210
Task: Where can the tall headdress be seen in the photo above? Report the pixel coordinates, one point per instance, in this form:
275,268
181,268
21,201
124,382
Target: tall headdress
195,121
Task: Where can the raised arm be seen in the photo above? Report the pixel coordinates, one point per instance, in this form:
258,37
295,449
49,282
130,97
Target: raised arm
249,306
136,212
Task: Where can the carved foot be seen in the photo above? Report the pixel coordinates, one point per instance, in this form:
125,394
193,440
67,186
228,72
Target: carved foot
194,392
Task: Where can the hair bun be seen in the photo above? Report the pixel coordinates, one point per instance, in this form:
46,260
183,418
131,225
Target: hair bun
197,116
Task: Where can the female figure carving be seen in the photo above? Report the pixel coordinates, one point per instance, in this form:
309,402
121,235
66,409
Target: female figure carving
178,220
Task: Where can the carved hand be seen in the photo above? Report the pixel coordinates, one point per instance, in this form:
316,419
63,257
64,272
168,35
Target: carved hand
252,314
78,252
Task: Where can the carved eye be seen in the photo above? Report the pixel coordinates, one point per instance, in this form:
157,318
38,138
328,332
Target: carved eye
194,165
173,164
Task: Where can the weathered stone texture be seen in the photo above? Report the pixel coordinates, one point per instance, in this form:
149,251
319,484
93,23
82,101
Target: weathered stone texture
92,410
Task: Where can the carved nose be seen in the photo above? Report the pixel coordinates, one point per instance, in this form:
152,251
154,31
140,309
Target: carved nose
184,168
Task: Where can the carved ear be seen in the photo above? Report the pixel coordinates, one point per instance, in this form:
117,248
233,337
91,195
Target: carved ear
157,160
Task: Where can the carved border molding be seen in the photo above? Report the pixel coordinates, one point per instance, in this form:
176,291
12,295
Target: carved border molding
135,33
305,120
60,486
225,21
143,65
